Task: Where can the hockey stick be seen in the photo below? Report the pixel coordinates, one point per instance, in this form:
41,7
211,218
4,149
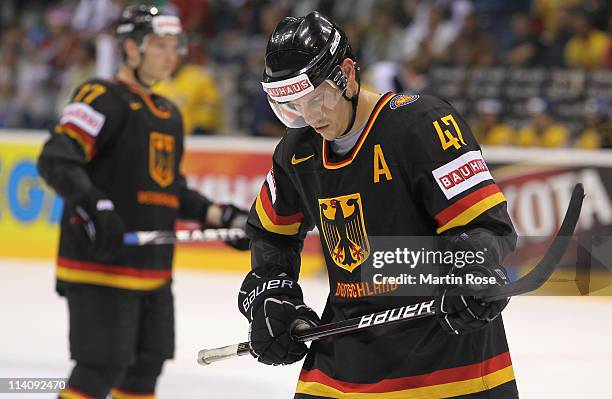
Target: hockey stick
159,237
301,333
529,282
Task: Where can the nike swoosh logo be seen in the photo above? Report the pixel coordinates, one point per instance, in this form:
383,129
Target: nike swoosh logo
135,105
295,161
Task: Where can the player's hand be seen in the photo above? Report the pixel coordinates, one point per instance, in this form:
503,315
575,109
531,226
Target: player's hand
233,217
103,224
270,331
460,314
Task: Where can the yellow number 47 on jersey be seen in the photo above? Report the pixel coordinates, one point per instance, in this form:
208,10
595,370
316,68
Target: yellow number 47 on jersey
447,138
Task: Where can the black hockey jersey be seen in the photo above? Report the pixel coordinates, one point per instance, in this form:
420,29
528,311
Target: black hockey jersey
130,145
416,170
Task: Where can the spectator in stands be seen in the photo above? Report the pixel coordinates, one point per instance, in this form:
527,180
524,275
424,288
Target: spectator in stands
256,115
598,122
196,16
60,41
489,129
194,90
543,130
9,69
607,61
406,76
556,37
34,93
525,48
548,12
94,16
95,19
382,38
587,47
81,67
472,46
436,34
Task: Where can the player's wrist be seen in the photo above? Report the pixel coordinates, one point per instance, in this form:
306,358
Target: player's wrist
94,200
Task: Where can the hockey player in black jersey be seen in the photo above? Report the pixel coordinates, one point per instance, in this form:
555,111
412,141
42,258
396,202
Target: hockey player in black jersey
114,157
359,164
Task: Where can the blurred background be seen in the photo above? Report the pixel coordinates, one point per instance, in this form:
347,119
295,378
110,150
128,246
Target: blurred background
533,78
531,73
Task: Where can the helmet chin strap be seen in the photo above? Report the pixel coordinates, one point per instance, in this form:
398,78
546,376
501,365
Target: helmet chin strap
354,100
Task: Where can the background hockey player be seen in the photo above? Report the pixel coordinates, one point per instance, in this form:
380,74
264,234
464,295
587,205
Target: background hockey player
114,157
356,163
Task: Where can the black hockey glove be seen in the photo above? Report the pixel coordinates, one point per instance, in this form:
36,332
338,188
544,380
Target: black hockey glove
459,313
274,307
234,217
104,226
271,328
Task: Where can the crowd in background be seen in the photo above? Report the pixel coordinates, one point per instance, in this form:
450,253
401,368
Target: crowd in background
524,73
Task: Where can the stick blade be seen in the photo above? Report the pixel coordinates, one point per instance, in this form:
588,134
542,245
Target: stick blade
545,267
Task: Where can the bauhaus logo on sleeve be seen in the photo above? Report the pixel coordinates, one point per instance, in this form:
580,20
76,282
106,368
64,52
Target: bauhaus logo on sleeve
461,174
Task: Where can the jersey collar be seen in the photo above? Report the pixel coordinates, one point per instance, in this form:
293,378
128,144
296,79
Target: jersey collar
350,156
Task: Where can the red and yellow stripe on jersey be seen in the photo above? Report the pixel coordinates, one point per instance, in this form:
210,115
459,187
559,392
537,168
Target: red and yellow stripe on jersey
131,278
272,221
71,393
446,383
469,207
81,137
121,394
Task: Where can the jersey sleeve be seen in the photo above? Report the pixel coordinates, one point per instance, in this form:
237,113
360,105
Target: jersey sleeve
87,124
92,117
454,182
277,223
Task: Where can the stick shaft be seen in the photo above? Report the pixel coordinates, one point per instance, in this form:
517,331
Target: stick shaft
161,237
386,317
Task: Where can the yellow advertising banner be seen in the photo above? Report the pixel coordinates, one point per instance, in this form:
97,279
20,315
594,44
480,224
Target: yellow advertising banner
29,210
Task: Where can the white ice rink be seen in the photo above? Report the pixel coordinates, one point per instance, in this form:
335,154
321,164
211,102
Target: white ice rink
561,347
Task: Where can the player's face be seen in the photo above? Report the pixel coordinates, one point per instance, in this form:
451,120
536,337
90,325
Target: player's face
336,121
332,122
319,108
160,57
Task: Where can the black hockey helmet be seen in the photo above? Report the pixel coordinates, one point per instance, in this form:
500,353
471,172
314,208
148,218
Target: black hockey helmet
313,45
301,54
138,21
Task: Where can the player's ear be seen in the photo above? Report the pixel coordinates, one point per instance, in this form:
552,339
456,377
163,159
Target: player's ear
348,67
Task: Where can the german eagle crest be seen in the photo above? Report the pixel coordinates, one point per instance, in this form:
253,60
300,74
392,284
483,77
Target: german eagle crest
343,230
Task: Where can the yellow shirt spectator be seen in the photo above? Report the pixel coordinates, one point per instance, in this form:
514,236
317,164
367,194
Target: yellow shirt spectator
587,52
548,11
196,94
589,140
498,134
555,135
